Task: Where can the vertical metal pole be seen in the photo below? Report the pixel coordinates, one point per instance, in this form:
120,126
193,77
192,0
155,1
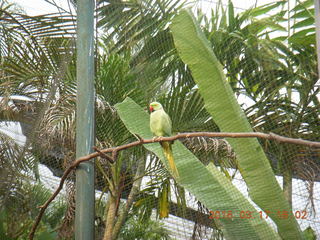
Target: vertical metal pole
317,18
84,222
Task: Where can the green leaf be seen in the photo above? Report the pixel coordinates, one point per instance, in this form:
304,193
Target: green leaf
164,199
304,23
208,185
231,13
309,234
223,19
303,5
303,14
281,38
266,8
304,40
262,24
301,36
220,102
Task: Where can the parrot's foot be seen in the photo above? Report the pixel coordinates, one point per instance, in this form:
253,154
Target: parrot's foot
155,138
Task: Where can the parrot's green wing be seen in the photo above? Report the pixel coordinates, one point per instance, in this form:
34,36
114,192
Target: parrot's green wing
167,128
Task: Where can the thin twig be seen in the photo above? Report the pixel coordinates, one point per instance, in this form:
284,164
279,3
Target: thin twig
115,150
104,155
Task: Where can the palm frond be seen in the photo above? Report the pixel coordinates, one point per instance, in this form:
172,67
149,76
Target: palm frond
130,22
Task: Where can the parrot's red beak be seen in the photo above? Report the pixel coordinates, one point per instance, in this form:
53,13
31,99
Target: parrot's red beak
151,109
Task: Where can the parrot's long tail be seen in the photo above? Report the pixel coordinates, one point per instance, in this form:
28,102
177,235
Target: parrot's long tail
168,154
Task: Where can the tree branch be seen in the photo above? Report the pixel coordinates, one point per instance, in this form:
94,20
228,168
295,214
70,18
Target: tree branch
114,151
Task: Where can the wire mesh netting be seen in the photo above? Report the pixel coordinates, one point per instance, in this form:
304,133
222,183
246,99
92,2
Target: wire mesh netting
268,56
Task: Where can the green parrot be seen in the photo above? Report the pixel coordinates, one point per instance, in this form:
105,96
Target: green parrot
160,125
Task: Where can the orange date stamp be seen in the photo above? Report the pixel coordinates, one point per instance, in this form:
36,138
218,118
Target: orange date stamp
283,214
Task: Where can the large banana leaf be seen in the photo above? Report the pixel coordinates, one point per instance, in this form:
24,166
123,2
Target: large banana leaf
209,185
195,51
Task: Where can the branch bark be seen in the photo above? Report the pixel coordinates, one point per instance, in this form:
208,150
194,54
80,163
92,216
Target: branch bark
114,151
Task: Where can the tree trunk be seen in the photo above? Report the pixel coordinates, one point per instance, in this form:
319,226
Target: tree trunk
133,193
111,214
